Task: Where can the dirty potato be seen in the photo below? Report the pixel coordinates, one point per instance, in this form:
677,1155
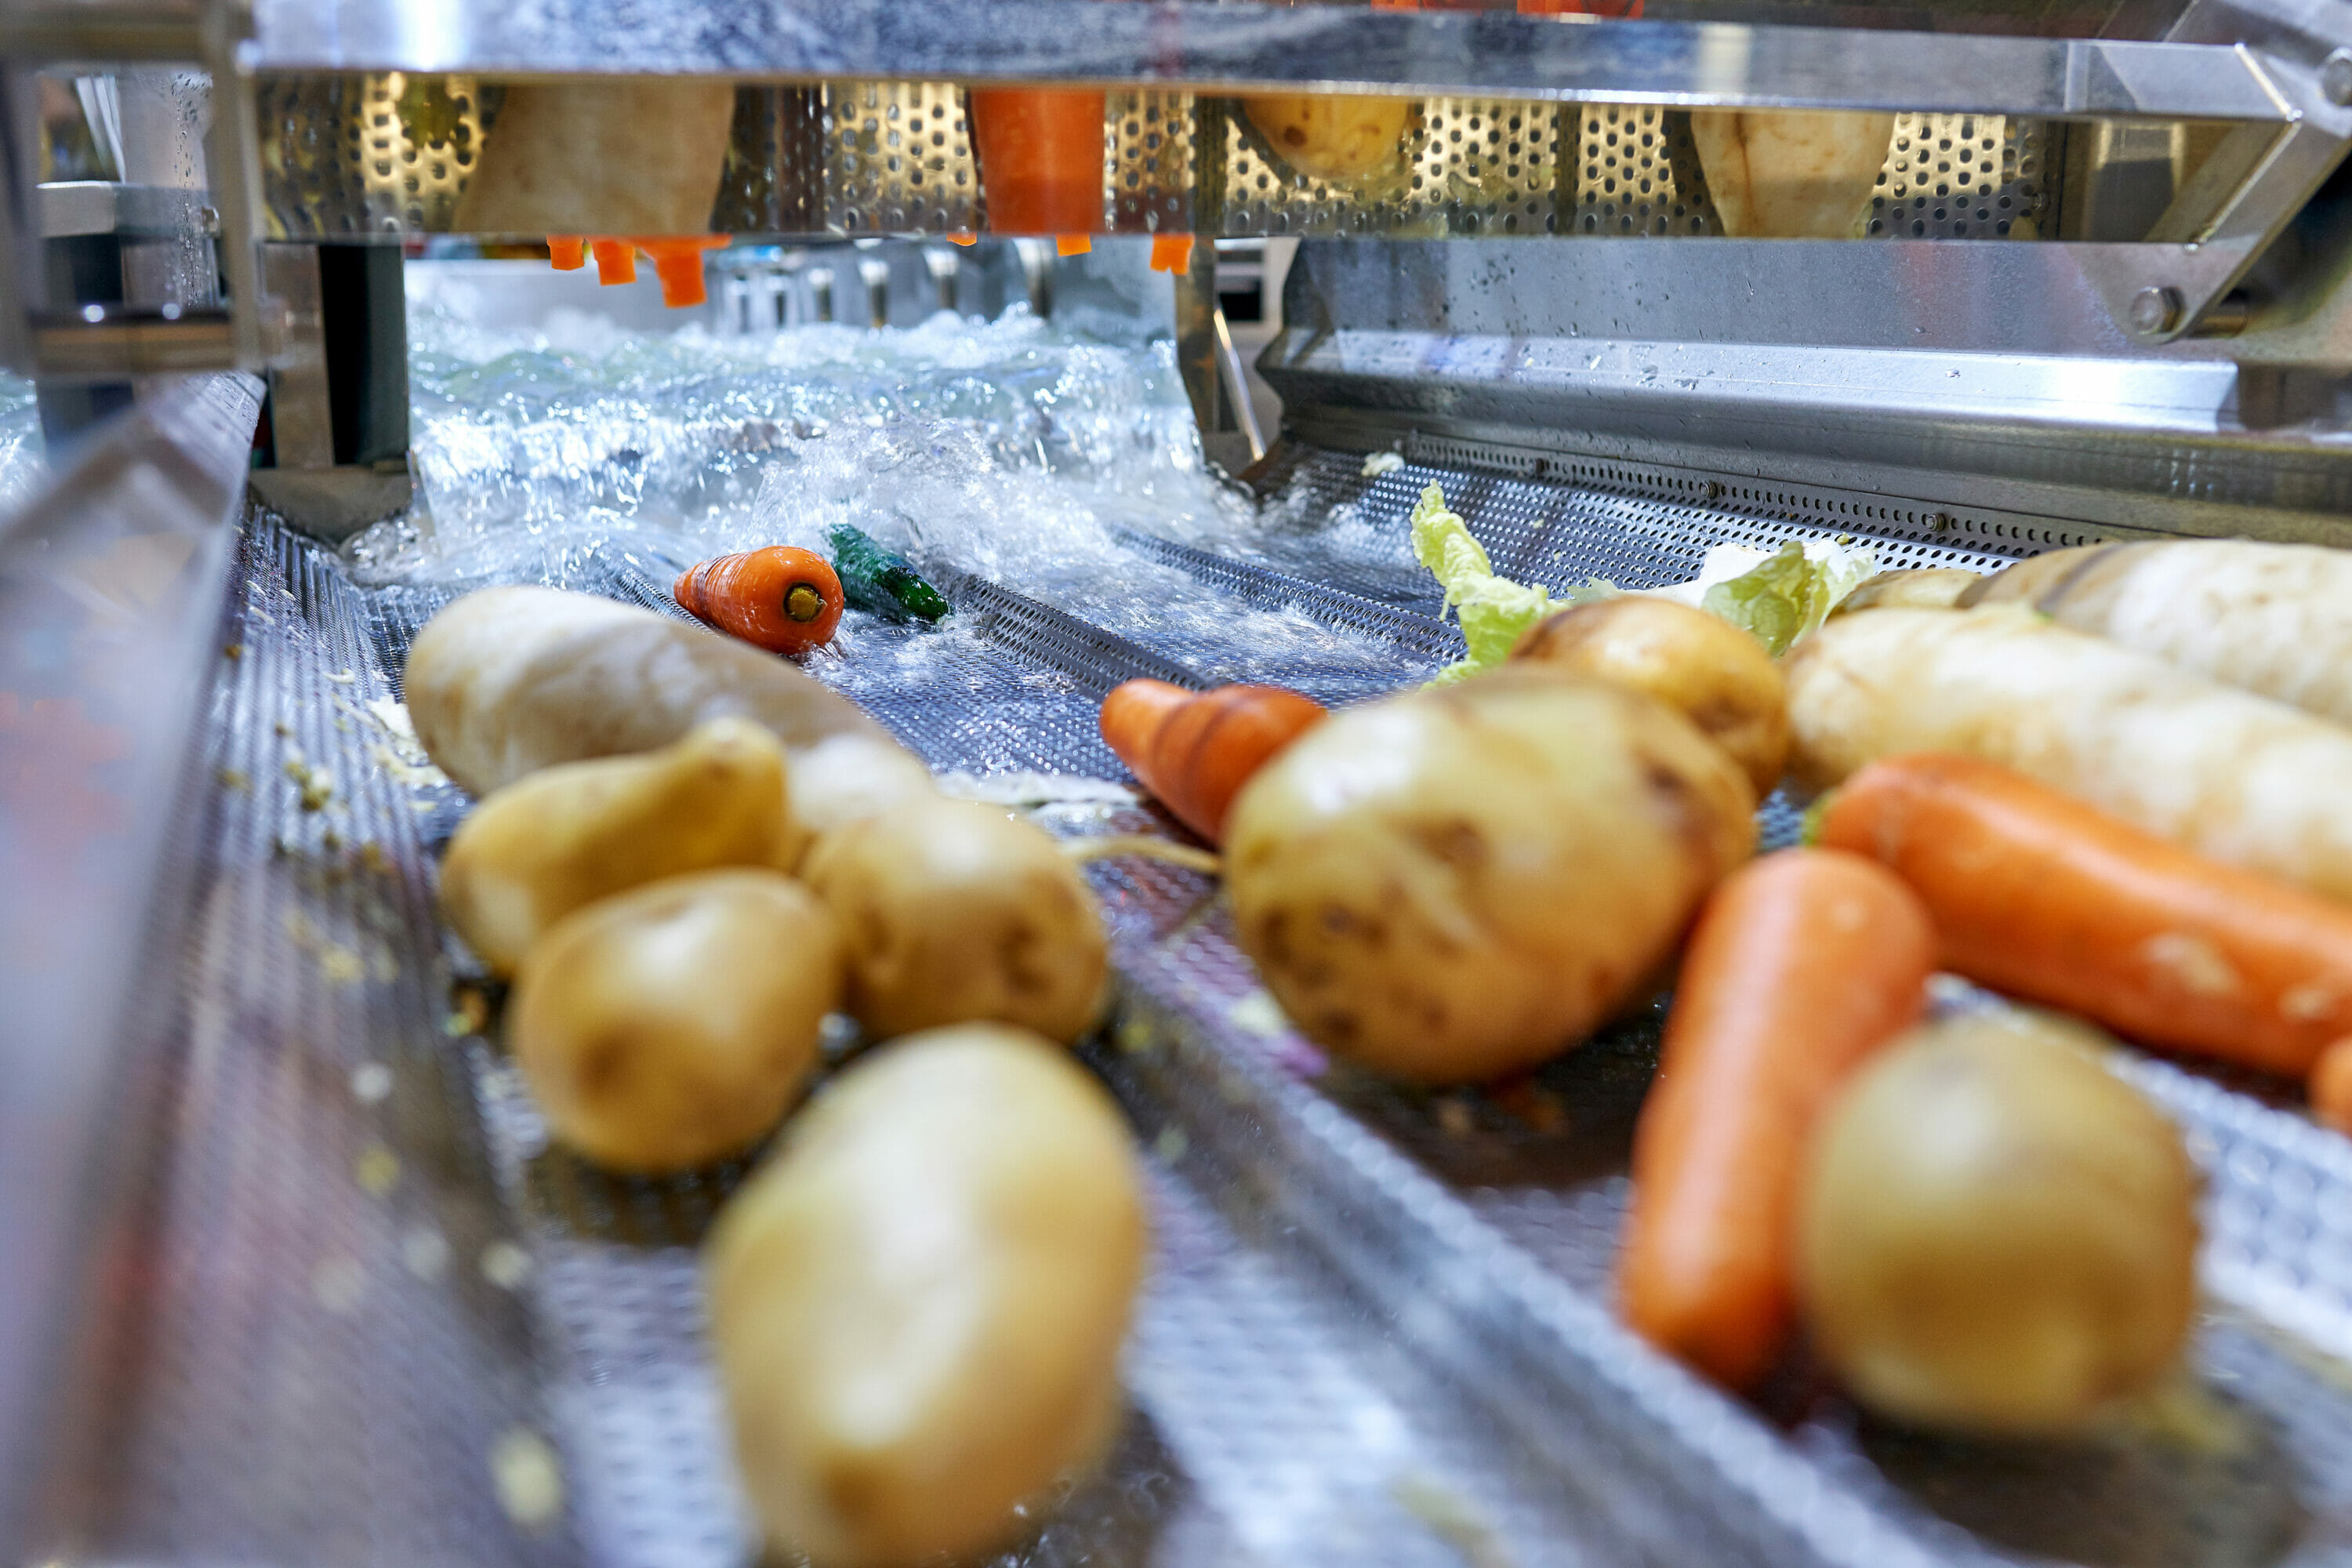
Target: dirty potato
917,1304
668,1028
1998,1236
1457,883
956,913
565,837
1701,665
1328,136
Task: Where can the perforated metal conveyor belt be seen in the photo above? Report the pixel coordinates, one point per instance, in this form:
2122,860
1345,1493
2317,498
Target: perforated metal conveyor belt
371,1302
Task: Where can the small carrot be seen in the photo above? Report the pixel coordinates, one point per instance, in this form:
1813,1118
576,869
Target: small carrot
1195,750
2037,894
2331,1086
780,598
1041,159
1802,964
1171,253
678,263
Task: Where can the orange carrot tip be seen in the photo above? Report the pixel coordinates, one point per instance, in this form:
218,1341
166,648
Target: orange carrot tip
963,237
617,262
1171,253
1072,244
677,262
569,252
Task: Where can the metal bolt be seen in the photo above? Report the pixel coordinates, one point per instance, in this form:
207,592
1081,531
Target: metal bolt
2153,311
2335,79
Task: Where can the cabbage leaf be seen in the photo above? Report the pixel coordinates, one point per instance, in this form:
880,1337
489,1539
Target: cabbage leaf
1788,595
1493,611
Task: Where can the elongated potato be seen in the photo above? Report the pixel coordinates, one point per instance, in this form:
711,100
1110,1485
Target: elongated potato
2239,777
670,1027
1791,174
1459,882
1997,1235
1920,588
955,913
2273,618
625,157
1332,136
567,835
917,1304
508,681
1701,665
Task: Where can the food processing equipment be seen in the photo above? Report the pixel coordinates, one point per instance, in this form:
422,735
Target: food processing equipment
288,1273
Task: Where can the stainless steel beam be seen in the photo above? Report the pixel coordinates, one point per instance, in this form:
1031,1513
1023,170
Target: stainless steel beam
1244,48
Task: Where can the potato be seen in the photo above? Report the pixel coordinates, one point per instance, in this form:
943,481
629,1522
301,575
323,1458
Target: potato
1332,136
1998,1236
1791,174
507,681
1922,588
670,1027
1701,665
955,912
1459,882
917,1304
565,837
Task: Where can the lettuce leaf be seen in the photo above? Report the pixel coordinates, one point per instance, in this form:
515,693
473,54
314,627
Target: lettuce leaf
1493,611
1791,593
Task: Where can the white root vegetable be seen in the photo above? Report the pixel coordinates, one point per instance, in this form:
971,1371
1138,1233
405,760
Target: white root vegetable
507,681
2273,618
1791,174
917,1304
629,157
1332,136
1459,882
2239,777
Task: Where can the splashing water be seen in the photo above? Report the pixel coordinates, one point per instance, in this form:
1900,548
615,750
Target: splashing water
22,466
1014,450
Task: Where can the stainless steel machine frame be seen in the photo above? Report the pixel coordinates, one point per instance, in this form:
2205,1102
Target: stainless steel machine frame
288,1271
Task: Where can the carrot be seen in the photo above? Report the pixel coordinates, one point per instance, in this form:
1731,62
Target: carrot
1195,751
2331,1086
617,262
1802,964
1171,253
1041,159
780,598
568,253
678,263
2039,895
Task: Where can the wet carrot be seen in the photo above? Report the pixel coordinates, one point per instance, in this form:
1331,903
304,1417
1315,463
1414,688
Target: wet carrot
1801,966
2037,894
677,262
779,598
569,253
1195,750
617,262
1171,253
1041,159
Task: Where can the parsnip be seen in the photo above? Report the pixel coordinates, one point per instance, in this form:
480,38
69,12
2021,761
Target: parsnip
2272,618
2239,777
1791,174
509,681
641,157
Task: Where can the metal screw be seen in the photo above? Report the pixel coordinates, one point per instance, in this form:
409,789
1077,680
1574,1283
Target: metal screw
2335,77
2153,311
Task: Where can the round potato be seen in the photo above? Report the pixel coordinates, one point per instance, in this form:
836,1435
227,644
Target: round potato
1997,1235
565,837
956,913
917,1304
1331,136
668,1028
1701,665
1457,883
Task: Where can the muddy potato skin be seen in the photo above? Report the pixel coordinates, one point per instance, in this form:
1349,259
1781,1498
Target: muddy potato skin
1708,670
954,912
1459,882
1998,1236
917,1304
668,1028
565,837
1329,136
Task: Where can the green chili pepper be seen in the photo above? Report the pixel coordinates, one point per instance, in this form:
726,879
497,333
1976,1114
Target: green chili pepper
880,580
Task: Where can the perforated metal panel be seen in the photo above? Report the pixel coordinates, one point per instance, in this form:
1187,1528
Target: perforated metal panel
386,153
899,159
1155,158
1962,176
1636,172
1464,166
